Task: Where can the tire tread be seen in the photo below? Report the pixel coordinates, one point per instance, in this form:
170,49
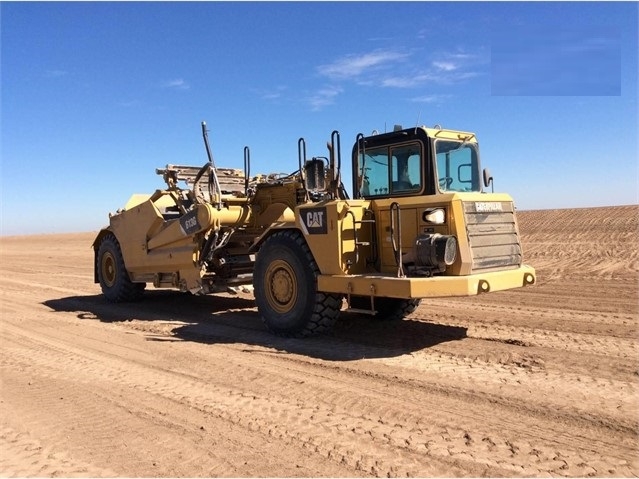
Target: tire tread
124,290
326,307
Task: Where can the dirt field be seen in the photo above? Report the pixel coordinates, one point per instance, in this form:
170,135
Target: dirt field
542,381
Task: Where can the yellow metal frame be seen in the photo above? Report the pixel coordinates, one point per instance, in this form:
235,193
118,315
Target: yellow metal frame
438,286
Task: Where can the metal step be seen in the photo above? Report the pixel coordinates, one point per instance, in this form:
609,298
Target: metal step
361,311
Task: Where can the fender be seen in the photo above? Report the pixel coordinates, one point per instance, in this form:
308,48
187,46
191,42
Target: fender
269,231
276,217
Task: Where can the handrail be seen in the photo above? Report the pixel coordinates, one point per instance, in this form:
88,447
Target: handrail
337,174
247,169
358,138
395,216
301,153
341,234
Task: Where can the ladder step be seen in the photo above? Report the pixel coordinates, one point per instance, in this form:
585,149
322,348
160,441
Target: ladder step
361,311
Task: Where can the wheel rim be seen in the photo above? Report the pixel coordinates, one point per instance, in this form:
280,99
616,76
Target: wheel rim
281,286
108,269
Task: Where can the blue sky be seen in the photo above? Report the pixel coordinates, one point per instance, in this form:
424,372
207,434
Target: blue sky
95,96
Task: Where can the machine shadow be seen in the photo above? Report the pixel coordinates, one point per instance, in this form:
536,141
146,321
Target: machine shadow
234,320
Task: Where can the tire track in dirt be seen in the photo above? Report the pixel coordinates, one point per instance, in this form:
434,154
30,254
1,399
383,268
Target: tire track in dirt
591,344
455,413
522,377
283,419
115,397
556,317
21,285
173,443
449,368
24,456
242,408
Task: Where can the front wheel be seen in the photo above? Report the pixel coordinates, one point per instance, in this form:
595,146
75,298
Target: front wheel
285,286
114,279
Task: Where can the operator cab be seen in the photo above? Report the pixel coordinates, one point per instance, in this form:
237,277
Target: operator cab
415,161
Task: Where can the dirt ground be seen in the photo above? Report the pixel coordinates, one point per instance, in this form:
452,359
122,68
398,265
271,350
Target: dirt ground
541,381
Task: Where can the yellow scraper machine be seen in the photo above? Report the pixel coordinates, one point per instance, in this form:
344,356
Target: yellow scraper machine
418,226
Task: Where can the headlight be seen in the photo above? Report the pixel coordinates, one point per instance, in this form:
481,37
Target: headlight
436,216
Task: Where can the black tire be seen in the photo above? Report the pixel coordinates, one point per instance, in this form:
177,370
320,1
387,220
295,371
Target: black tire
388,309
112,274
285,287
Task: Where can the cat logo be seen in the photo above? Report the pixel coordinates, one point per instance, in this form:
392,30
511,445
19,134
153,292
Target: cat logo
314,220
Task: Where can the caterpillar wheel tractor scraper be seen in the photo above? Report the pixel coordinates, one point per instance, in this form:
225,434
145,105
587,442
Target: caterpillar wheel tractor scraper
419,225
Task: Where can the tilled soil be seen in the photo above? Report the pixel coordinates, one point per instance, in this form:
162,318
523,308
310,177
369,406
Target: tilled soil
541,381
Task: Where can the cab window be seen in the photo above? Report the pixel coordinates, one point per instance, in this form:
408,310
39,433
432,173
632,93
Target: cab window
391,171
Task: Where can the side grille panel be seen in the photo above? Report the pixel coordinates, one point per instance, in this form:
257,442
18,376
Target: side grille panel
492,235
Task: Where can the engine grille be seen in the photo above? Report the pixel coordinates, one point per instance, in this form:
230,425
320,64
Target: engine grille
492,235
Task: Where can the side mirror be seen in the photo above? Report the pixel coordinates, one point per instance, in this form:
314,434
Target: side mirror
488,179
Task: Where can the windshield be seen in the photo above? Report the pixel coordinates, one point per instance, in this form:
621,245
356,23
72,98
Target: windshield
457,166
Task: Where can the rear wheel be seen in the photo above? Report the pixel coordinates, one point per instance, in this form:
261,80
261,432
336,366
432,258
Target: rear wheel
388,309
112,274
285,286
